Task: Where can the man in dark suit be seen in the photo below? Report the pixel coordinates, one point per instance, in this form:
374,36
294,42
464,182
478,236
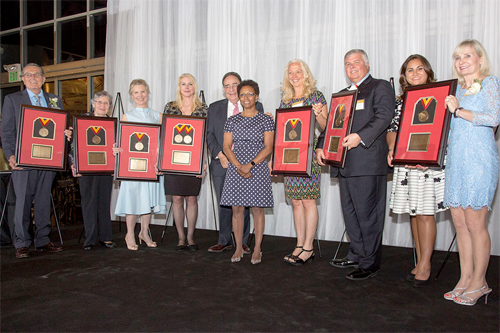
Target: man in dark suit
29,185
218,112
363,180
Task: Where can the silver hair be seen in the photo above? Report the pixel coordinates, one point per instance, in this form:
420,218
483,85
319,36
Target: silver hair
354,51
32,64
100,94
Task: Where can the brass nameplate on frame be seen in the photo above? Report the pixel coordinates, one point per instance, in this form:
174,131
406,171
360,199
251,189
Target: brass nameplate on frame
181,157
138,164
97,157
291,156
41,152
333,147
419,142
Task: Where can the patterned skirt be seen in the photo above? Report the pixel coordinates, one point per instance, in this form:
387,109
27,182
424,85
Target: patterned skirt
417,192
305,187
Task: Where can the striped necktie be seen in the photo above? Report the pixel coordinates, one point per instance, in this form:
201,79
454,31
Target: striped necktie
37,100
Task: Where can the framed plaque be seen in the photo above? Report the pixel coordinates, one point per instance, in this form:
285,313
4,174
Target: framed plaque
93,140
182,145
338,126
139,158
424,125
293,141
41,143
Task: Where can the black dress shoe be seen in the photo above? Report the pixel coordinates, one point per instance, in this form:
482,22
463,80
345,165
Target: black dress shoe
49,247
343,263
182,247
421,283
410,277
22,252
111,245
88,247
361,274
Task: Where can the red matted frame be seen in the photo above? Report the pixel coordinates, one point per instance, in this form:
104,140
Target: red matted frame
140,142
424,125
339,126
293,141
93,141
41,143
182,144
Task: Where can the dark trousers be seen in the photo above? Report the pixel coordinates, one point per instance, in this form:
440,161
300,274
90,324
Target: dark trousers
96,199
226,216
363,204
32,186
8,199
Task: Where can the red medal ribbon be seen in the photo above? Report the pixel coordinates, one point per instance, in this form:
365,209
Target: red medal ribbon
426,101
179,128
139,135
96,129
44,121
293,122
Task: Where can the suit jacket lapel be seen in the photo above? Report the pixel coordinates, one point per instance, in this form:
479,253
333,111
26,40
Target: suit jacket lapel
25,98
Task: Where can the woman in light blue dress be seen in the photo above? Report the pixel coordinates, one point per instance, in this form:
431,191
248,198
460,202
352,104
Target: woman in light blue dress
138,198
472,167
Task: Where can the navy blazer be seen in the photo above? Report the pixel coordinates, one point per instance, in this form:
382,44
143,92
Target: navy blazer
10,117
376,97
216,119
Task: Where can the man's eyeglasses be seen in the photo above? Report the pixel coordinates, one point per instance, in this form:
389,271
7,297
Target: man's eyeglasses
35,75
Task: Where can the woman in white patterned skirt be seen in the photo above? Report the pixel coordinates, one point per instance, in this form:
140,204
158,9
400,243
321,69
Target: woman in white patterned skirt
416,191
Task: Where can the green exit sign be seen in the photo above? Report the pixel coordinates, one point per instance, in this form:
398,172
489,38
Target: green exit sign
14,77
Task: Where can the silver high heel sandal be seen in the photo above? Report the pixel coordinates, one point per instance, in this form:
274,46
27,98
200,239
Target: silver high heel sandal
466,300
450,295
257,261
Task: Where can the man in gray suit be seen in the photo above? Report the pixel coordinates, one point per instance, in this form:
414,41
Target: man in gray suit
29,185
218,112
363,180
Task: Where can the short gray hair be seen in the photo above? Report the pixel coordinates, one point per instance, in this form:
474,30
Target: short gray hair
32,64
354,51
103,93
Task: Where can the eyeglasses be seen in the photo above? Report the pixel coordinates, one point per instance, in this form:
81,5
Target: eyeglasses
229,86
247,95
101,103
35,75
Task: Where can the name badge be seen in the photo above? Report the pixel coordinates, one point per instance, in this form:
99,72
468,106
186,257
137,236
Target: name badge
360,105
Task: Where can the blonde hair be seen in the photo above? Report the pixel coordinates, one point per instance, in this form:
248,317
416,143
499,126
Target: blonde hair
138,82
484,68
309,81
178,96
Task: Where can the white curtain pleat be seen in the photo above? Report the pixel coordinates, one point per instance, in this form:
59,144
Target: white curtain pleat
159,40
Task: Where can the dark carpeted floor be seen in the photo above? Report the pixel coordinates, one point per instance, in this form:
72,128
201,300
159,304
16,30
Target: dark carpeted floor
113,290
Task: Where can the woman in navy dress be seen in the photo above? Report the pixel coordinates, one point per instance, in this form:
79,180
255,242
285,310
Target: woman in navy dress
248,179
472,167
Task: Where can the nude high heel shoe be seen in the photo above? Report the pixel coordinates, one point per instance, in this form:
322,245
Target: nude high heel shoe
132,247
151,244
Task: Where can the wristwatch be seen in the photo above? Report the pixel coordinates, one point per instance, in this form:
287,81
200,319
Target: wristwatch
455,114
252,163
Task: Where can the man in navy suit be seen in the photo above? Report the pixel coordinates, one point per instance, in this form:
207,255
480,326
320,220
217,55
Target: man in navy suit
218,112
30,186
363,180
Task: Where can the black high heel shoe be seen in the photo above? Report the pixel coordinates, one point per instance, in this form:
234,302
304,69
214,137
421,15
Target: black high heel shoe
291,256
299,261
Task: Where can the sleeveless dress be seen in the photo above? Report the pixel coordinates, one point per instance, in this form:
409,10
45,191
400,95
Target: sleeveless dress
180,184
473,163
305,187
414,191
136,197
248,138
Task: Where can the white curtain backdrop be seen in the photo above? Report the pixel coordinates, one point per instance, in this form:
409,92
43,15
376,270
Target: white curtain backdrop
157,40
